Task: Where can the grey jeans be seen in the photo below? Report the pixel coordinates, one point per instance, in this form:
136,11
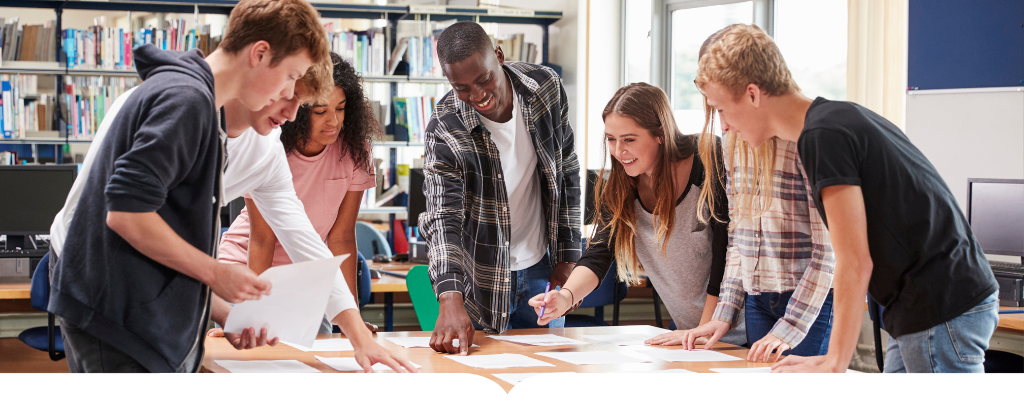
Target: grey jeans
87,354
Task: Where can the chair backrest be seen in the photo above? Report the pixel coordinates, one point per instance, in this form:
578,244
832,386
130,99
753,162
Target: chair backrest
367,236
40,291
363,280
421,292
605,293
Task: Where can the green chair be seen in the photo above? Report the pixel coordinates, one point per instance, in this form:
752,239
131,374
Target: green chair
424,301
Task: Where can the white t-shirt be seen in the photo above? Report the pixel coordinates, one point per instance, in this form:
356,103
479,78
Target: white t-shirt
257,165
522,185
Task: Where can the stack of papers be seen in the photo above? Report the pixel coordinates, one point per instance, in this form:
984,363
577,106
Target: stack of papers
505,360
419,342
680,355
515,378
540,340
324,345
271,366
593,358
350,365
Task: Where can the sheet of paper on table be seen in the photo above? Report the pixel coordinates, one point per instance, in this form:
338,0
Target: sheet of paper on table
594,357
504,360
680,355
766,369
350,365
418,342
540,340
295,306
515,378
324,345
266,366
621,340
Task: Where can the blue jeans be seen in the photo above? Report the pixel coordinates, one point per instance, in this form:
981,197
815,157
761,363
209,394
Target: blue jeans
955,346
526,284
764,310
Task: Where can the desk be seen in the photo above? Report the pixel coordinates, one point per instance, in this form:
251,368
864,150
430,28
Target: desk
388,285
15,291
1011,322
433,362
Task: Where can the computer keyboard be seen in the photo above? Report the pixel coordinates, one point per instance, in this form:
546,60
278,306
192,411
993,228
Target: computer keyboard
22,253
1007,267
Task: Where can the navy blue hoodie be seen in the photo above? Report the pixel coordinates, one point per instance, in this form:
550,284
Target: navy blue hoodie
161,154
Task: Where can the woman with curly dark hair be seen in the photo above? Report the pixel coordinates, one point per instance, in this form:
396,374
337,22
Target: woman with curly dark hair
328,150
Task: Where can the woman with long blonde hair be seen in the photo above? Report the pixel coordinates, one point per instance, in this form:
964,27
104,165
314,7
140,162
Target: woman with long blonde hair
780,261
648,214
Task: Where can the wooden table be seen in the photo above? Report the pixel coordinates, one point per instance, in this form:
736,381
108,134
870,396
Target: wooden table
1011,322
392,280
15,291
433,362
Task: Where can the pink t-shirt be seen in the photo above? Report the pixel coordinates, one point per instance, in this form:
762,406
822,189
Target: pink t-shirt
321,183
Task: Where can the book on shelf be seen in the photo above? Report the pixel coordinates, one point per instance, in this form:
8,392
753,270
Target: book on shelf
364,50
110,48
87,99
421,55
411,116
515,48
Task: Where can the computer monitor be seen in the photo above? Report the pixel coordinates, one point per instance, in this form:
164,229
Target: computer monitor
995,210
31,197
417,201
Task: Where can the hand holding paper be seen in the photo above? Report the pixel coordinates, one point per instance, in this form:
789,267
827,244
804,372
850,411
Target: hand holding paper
294,311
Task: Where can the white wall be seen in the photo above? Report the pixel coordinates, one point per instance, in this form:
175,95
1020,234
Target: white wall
605,72
964,135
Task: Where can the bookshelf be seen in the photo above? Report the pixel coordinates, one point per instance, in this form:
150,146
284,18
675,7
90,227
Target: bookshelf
393,14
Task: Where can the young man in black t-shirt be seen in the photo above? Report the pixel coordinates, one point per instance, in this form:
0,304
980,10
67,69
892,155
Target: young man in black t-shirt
896,230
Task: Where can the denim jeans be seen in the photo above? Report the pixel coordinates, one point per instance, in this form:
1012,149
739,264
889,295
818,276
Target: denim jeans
764,310
526,284
955,346
87,354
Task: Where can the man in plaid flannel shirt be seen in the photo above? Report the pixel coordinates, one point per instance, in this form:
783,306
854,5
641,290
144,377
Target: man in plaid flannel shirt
501,181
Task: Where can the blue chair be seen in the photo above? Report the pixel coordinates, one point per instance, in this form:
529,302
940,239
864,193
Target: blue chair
362,280
370,242
610,292
44,338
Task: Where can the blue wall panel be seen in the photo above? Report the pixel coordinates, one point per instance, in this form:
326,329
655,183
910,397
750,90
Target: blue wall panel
956,44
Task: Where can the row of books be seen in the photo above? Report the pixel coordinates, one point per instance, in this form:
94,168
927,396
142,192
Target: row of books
110,48
411,117
87,99
22,108
514,48
37,42
364,50
8,158
420,53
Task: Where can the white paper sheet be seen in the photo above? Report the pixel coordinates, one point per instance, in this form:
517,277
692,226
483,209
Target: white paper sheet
504,360
670,371
296,304
621,340
679,355
594,357
350,365
418,342
540,340
515,378
324,345
266,366
766,369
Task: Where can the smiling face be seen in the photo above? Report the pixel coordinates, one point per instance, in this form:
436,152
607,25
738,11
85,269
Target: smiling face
739,114
480,82
631,145
326,119
266,84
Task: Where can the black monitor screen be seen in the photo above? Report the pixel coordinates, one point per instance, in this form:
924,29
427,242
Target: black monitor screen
417,201
31,196
995,210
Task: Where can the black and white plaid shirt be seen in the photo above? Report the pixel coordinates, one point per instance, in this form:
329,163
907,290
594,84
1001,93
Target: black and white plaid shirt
467,221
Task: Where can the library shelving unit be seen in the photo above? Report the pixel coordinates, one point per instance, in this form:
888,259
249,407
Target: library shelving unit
392,13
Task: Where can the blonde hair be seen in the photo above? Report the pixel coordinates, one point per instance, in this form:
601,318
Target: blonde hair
734,57
649,107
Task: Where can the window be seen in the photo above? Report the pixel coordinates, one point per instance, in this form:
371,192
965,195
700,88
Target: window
812,37
637,45
689,27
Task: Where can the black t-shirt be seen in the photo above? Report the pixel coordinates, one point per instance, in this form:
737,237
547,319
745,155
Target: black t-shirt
928,267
